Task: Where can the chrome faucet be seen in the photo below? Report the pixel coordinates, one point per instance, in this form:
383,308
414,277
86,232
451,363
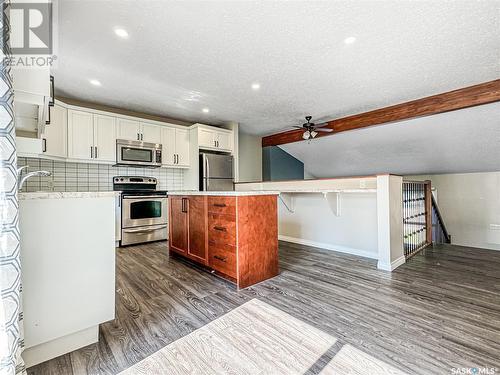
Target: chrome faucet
22,180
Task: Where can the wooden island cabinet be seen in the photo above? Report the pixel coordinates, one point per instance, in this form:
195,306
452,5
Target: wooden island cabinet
234,234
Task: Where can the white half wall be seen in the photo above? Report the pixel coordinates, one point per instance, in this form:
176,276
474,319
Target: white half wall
250,158
313,223
470,206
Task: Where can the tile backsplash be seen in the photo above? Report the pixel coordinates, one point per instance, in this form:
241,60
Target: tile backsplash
91,177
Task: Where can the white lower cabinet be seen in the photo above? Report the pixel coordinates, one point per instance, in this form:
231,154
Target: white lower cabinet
175,147
91,136
55,134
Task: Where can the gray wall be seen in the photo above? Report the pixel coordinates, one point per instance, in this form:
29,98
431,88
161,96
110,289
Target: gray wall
280,165
250,158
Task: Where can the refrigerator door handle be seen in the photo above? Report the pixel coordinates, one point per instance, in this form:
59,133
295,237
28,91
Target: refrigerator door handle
208,171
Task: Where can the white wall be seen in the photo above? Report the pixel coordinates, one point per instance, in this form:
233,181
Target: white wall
250,158
313,223
470,206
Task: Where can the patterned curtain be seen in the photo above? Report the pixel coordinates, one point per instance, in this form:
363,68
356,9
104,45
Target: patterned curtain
11,335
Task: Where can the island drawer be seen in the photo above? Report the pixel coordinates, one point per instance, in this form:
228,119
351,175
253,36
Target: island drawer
222,259
222,229
222,205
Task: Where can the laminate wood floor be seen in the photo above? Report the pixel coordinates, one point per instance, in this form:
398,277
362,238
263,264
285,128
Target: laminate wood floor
439,311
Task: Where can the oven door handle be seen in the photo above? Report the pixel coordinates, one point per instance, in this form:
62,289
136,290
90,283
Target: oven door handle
145,230
144,196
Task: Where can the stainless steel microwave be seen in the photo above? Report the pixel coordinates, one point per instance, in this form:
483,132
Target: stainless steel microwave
137,153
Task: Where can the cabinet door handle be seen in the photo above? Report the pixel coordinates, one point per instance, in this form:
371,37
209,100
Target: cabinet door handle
95,152
142,136
222,259
44,145
138,138
219,205
91,152
220,229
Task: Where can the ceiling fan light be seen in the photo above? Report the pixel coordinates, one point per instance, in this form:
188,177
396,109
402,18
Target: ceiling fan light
314,134
306,135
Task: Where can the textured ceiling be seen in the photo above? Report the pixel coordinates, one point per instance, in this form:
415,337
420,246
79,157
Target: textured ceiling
462,141
183,56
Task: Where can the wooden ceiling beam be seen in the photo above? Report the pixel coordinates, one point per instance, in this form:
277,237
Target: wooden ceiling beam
487,92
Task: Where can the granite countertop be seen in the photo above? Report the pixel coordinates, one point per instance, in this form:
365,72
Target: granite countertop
223,193
68,194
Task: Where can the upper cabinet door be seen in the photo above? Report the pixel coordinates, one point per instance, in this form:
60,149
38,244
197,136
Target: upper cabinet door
168,146
80,135
128,129
182,145
55,134
206,138
104,138
150,133
224,141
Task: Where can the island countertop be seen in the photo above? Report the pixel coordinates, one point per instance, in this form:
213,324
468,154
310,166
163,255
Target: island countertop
223,193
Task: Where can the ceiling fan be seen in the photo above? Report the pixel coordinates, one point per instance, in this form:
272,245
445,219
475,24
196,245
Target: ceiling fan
311,129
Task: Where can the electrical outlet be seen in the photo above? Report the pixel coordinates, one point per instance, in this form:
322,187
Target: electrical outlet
495,226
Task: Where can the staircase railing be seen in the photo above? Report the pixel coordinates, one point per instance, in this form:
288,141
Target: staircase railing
417,219
439,232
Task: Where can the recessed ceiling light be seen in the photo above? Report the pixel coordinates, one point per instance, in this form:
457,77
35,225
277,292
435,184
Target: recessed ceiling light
205,110
122,33
255,86
350,40
95,82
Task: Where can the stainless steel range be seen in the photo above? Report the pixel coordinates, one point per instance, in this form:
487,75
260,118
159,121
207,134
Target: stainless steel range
143,210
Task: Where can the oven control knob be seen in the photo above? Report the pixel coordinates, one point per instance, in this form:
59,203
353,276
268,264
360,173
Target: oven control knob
121,179
149,180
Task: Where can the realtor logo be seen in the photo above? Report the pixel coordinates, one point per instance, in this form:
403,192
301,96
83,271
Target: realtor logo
31,28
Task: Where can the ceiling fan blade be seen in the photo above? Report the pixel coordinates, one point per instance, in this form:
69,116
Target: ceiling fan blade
323,130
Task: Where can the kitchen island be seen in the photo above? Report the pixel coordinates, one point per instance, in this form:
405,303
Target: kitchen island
234,234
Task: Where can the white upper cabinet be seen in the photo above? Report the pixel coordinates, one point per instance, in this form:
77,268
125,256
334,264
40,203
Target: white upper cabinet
212,138
150,133
55,134
168,146
206,138
182,145
128,129
224,141
80,135
138,131
175,147
91,136
104,138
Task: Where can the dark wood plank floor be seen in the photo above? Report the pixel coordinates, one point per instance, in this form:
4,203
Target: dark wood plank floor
438,311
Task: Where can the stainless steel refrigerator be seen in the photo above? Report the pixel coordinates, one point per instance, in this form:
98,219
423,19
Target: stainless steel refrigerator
216,172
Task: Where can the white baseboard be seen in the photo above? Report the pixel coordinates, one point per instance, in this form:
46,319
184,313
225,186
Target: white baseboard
326,246
393,265
48,350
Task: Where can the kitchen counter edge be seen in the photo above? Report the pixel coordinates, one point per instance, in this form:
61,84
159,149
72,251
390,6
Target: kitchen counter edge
67,194
224,193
